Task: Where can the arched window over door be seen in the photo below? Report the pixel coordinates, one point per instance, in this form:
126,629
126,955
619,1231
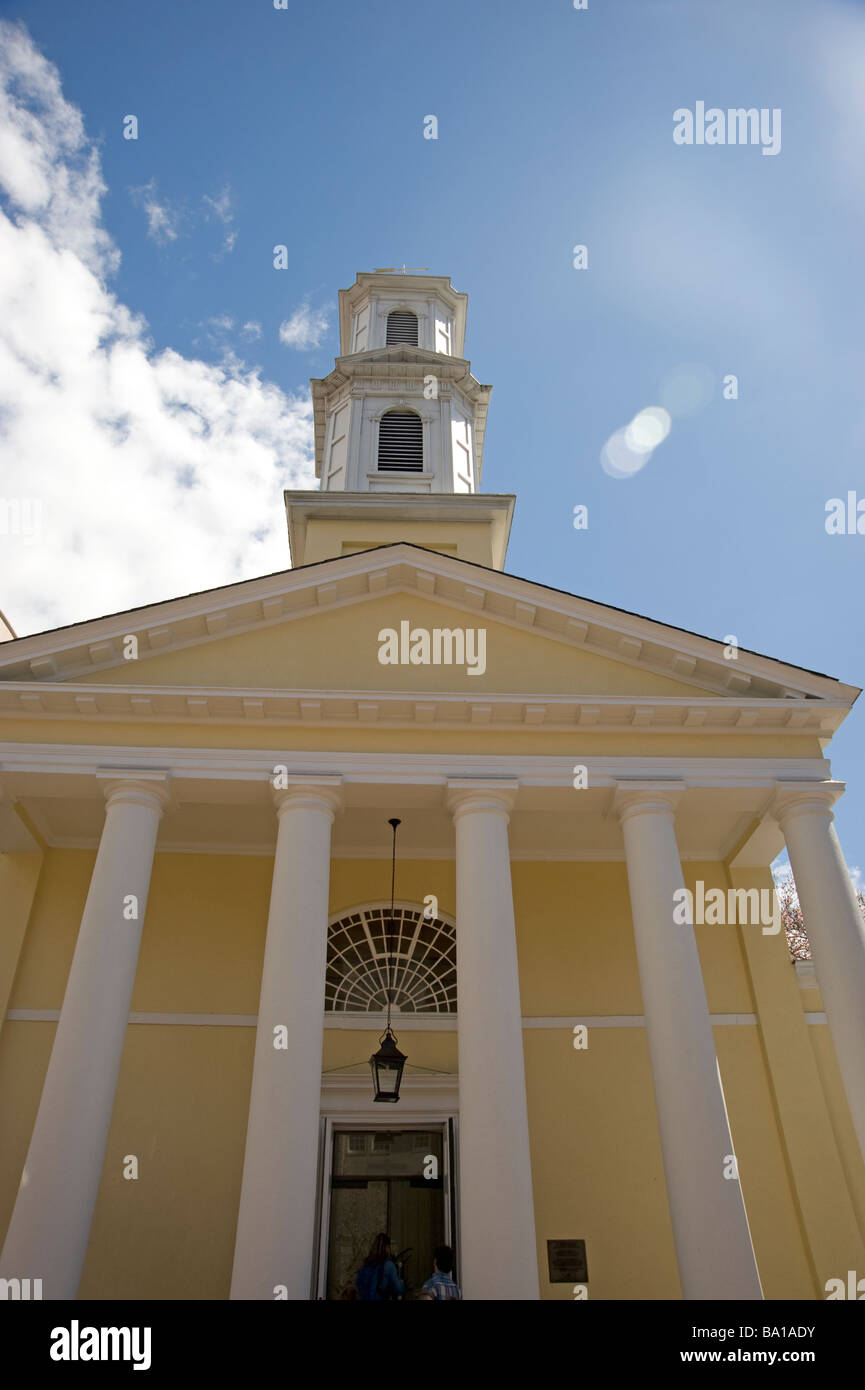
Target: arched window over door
420,953
400,442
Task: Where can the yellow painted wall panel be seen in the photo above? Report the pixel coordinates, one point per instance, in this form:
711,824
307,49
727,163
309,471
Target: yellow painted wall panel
19,877
820,1038
467,540
347,1047
181,1108
24,1052
53,930
575,941
785,1268
725,973
202,945
310,653
357,881
597,1168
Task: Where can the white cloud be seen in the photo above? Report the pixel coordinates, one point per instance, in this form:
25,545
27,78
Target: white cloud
221,207
162,219
154,474
48,168
305,329
165,221
220,333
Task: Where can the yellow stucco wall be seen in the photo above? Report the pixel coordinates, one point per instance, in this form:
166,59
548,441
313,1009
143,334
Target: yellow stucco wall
19,878
468,540
183,1090
309,653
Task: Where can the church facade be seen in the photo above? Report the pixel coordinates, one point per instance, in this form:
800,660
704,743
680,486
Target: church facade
618,1085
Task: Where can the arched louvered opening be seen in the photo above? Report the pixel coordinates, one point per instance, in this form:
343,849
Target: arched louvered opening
413,956
401,327
400,442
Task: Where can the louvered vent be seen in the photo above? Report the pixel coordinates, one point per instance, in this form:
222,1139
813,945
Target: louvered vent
402,327
400,442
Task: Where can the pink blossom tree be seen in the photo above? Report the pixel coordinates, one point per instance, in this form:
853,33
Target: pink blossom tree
791,916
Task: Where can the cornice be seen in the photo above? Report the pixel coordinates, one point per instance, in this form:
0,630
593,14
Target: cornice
750,684
393,370
401,358
195,705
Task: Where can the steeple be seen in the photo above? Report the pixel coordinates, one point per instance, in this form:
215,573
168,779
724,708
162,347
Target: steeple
399,430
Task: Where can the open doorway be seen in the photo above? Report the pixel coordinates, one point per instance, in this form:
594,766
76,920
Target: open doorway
393,1180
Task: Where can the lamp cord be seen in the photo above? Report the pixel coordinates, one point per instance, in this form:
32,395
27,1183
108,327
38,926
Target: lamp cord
393,823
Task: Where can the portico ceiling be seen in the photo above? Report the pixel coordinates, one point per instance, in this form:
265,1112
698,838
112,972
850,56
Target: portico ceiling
222,806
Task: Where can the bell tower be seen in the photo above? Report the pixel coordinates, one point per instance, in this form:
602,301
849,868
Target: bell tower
399,430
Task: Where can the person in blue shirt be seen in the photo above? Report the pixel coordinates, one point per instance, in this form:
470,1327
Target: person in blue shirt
442,1285
378,1278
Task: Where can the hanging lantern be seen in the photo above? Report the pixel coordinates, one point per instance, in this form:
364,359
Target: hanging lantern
387,1064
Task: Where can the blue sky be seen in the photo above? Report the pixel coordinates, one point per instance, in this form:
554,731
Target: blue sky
304,127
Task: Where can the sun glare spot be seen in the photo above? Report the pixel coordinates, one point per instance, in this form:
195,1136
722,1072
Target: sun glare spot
648,429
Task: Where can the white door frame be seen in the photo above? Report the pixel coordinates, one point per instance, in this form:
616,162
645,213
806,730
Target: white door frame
430,1102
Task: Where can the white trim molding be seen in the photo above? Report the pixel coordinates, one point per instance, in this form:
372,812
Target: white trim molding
410,769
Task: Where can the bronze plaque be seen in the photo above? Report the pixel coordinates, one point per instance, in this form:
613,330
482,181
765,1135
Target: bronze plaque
567,1261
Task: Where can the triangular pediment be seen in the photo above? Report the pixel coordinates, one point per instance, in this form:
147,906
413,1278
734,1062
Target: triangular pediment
317,630
402,640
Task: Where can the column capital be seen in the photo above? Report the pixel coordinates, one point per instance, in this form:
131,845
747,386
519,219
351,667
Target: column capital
466,795
803,798
646,798
136,788
315,793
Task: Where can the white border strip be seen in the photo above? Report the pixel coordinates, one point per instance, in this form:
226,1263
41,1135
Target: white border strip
409,1023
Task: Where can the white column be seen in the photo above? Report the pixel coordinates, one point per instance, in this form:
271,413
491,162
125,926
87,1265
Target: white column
834,925
710,1227
275,1223
497,1220
47,1237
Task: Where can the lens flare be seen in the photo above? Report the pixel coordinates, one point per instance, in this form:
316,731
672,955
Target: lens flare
630,448
648,429
618,459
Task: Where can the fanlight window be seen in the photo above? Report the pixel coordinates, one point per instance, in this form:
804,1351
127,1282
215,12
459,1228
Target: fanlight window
401,327
422,955
400,442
